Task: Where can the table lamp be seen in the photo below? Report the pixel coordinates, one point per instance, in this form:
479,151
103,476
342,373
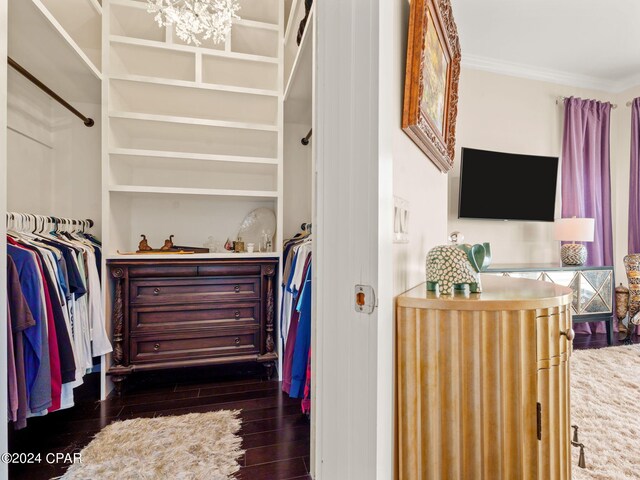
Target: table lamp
574,230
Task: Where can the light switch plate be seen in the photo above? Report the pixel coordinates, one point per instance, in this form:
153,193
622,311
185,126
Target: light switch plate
400,220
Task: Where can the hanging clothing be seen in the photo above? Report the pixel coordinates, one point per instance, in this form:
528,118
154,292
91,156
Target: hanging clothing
296,321
287,364
37,367
57,322
306,401
21,319
303,341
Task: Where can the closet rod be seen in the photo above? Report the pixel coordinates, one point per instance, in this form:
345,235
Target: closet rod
87,121
305,140
58,220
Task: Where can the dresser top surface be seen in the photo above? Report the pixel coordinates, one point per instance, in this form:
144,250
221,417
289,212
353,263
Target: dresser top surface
499,293
541,267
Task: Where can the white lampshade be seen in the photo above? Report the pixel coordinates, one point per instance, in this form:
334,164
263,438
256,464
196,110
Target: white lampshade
575,229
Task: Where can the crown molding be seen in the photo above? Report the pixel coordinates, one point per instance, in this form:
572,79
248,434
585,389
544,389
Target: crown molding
501,67
628,83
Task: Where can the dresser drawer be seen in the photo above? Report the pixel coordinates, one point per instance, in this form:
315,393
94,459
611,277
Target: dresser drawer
149,319
193,290
187,346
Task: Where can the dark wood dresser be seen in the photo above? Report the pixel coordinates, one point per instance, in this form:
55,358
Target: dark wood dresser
183,313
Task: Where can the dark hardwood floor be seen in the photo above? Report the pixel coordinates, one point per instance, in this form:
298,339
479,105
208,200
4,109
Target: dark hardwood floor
275,434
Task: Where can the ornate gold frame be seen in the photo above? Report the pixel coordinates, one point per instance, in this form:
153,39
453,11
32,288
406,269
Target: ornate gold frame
438,147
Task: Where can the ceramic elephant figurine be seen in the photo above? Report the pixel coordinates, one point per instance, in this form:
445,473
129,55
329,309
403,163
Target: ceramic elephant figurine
450,266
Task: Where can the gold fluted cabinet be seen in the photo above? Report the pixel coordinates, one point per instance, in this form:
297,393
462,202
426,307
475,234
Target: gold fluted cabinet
482,383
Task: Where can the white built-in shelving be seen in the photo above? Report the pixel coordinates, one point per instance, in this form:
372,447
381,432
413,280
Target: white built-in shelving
207,192
296,56
193,156
196,256
298,65
60,46
193,137
80,22
298,62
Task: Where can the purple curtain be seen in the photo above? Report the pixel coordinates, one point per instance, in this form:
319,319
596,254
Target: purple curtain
586,177
634,180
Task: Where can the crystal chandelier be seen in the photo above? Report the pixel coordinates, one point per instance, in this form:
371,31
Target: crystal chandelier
196,19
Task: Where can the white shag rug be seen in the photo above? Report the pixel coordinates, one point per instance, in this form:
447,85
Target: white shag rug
605,404
186,447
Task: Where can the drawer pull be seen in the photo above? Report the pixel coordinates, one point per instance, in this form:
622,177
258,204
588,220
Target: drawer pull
156,291
237,314
236,289
156,347
237,341
570,334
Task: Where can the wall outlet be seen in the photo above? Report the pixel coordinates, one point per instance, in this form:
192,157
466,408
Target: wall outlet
400,220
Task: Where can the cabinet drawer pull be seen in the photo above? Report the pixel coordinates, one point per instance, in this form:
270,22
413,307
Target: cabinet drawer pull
156,347
569,333
237,341
156,291
237,314
236,289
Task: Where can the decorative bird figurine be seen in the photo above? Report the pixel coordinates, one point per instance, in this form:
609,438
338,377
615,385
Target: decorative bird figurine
168,244
143,246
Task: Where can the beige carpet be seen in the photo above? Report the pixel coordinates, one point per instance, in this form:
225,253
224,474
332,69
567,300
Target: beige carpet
605,402
195,446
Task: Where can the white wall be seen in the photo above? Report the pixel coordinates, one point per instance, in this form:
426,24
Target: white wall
415,177
4,447
516,115
29,147
53,165
77,168
297,178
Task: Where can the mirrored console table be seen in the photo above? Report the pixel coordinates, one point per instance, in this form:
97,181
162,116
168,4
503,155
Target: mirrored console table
592,287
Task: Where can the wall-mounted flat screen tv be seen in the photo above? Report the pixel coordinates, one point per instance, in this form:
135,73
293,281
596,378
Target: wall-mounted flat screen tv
507,186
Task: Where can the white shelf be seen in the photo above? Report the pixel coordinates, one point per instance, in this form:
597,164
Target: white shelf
192,174
187,48
240,73
131,19
303,61
241,21
190,138
259,25
55,57
193,191
194,134
130,3
260,10
80,24
96,5
133,152
244,110
129,59
296,7
189,84
195,256
192,121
